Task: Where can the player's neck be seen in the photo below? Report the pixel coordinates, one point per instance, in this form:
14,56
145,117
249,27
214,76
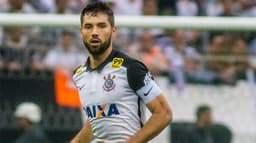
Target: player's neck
95,61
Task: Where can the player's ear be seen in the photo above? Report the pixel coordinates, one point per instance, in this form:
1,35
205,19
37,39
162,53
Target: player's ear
114,31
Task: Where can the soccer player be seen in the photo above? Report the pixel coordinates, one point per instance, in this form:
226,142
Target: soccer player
114,88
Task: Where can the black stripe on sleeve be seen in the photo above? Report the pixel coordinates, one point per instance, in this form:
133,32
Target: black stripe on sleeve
136,73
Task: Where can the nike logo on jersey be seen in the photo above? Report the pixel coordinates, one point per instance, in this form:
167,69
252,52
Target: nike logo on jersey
146,94
81,87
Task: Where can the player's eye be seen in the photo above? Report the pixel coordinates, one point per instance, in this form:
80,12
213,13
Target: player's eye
102,25
87,26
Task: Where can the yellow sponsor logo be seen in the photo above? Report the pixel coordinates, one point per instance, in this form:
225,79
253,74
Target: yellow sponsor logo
117,62
79,69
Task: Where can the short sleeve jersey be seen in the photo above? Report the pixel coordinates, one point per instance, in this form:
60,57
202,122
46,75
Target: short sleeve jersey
113,96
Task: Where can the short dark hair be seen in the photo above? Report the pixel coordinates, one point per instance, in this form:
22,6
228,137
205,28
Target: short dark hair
202,109
98,7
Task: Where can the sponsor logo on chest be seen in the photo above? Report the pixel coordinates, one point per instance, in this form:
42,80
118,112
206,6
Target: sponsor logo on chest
103,110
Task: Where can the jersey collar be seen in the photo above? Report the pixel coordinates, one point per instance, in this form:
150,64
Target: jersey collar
102,65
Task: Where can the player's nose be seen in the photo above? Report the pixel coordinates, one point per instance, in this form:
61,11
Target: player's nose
95,31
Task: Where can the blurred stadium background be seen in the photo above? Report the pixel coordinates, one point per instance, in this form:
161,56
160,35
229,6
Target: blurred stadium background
200,51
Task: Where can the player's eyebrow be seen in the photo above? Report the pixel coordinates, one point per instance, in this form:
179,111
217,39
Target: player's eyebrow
102,24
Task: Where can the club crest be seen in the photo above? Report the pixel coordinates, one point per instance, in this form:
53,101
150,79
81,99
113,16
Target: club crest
109,83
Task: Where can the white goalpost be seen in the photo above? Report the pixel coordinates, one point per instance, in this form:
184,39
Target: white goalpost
167,22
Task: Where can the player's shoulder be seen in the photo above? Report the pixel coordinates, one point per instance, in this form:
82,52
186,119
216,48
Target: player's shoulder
79,70
127,61
136,71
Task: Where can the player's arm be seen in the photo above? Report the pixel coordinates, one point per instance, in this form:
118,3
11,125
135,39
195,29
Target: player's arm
141,81
161,118
85,135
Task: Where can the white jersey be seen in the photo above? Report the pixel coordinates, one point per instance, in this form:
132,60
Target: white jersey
112,96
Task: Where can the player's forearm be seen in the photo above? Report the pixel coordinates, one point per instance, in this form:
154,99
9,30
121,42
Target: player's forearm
156,123
84,136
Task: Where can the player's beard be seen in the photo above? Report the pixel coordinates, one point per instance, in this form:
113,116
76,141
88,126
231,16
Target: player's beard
98,51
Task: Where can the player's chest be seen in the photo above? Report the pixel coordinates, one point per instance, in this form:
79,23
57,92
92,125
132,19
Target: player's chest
104,87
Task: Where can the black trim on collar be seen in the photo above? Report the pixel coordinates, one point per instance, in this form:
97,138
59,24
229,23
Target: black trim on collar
102,65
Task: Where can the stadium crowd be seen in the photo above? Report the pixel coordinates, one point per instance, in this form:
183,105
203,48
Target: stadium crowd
183,55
